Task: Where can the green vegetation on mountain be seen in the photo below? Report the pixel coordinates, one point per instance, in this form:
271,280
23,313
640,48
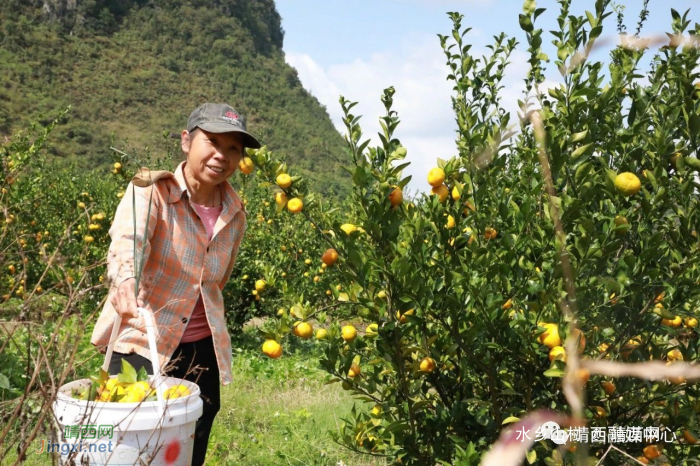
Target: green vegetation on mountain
136,68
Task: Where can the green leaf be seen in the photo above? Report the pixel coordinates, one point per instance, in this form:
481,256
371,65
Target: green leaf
554,372
525,23
510,419
529,6
582,150
397,426
142,375
576,137
102,377
4,382
128,373
692,162
531,456
555,93
91,392
591,19
582,172
360,176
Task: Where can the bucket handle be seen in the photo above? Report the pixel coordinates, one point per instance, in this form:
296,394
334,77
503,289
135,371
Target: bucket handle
150,332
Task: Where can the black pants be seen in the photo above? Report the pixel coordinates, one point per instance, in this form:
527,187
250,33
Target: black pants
186,357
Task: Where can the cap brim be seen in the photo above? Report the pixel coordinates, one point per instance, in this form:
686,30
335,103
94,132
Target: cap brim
215,127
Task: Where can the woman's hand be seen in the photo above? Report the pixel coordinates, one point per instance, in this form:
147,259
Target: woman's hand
124,299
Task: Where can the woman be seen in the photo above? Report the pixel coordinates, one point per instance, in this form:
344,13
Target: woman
195,226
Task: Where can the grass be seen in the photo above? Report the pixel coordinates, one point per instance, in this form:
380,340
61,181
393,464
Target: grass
280,412
275,411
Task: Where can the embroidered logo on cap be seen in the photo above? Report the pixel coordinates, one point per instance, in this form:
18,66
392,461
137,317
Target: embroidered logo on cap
232,118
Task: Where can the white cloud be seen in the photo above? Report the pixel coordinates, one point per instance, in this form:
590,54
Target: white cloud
450,3
423,96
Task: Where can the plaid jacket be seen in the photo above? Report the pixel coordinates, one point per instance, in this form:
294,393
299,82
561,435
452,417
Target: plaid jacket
179,264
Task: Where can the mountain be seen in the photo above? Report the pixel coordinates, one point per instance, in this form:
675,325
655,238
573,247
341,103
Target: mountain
135,69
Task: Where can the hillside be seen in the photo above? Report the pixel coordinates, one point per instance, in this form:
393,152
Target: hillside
136,68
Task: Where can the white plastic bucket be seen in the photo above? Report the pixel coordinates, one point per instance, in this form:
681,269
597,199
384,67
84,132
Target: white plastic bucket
150,432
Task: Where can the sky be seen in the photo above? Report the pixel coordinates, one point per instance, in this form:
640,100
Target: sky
358,48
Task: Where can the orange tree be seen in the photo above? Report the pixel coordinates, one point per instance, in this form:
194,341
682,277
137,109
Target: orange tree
51,217
280,251
571,240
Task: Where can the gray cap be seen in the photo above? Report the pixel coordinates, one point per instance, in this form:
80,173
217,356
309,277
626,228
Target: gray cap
220,118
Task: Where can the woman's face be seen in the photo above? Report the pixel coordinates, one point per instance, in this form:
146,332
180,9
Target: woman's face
212,157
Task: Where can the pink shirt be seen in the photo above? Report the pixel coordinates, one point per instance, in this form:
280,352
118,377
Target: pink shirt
198,326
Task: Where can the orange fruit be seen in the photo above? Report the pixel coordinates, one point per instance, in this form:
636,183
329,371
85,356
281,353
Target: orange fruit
427,365
246,165
490,233
583,375
441,191
550,337
176,391
295,205
284,181
348,332
674,159
627,184
609,388
675,322
468,208
651,452
372,330
303,330
674,355
436,177
396,196
402,316
330,257
622,226
627,349
272,349
354,371
281,199
348,228
558,352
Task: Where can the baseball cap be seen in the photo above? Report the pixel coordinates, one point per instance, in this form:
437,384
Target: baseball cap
220,118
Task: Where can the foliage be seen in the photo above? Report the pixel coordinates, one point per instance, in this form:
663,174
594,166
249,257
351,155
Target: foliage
535,231
276,249
133,70
532,233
